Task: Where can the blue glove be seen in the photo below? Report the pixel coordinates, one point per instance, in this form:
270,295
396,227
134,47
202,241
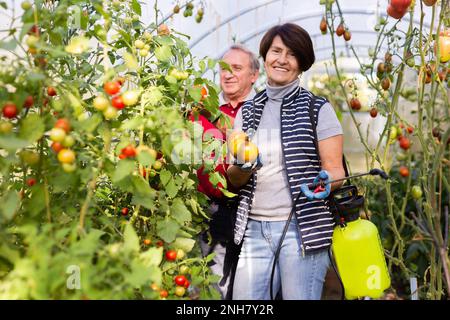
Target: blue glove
248,166
323,177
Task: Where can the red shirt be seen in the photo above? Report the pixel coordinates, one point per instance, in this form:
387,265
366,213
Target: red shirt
205,185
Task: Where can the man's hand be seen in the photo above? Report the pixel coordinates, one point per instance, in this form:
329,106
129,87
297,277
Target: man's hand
320,192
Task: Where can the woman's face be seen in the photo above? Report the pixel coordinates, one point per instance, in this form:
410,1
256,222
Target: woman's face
281,65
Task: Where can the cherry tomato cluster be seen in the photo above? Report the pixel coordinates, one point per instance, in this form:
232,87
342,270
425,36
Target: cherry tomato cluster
62,142
118,101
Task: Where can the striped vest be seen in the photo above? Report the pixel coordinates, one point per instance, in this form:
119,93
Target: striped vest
313,218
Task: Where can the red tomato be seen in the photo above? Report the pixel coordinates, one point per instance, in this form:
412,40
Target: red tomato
404,143
9,110
117,102
29,101
111,87
171,255
51,91
31,182
180,280
124,211
129,151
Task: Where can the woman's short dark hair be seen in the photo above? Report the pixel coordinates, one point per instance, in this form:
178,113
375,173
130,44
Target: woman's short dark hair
295,38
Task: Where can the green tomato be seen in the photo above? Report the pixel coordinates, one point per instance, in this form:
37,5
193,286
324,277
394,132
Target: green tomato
393,133
184,269
6,127
143,53
128,20
110,113
180,254
101,103
68,141
29,157
139,44
416,192
26,5
69,167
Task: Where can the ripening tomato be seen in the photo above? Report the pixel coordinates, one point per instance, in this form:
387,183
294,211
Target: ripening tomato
404,143
234,140
163,30
57,146
323,25
29,101
64,124
147,242
51,91
68,141
429,3
355,104
57,135
66,156
157,165
9,110
444,46
180,291
373,112
404,171
163,294
117,102
347,35
171,255
111,87
180,254
410,129
130,97
340,30
395,13
187,284
247,152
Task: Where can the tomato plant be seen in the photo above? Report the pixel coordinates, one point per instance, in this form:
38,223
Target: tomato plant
73,96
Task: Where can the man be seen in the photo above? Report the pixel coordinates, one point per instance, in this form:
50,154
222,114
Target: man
237,87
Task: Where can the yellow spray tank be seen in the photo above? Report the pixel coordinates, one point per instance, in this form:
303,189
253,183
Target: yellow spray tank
357,249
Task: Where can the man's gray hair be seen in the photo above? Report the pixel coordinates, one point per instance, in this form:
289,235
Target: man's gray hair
254,62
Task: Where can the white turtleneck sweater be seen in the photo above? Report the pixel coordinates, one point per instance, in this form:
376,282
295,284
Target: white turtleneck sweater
272,200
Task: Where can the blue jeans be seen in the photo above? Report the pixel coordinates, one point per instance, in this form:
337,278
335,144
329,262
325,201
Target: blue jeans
301,278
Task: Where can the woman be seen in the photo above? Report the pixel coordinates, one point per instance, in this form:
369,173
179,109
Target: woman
279,122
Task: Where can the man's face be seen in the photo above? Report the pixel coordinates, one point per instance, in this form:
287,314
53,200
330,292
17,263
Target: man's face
238,83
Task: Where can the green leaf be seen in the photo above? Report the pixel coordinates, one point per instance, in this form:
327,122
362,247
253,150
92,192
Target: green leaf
167,229
195,93
142,187
179,212
144,201
227,193
165,176
91,123
3,4
184,243
172,189
152,257
225,66
163,53
131,240
153,95
36,204
123,169
32,128
139,275
9,204
145,158
136,6
132,123
12,143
